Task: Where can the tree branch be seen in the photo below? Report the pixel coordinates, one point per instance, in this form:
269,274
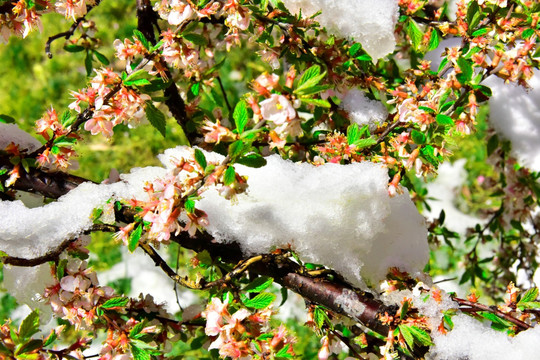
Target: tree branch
360,306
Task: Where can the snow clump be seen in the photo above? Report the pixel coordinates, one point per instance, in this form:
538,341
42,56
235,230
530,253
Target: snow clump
370,22
11,133
515,114
473,340
337,215
362,110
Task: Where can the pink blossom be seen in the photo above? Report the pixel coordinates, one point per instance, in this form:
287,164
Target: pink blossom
277,109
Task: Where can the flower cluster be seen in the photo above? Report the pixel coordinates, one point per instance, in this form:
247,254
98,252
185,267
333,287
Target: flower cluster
76,296
19,18
239,335
59,139
112,103
73,8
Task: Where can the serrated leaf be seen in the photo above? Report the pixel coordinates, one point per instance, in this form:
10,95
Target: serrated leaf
317,102
259,284
64,141
404,310
415,34
420,336
407,335
480,32
230,176
30,325
444,119
363,143
283,353
140,36
117,302
530,295
6,119
364,57
200,158
156,118
189,205
260,301
240,116
252,160
312,90
136,329
434,40
529,305
102,58
499,323
353,133
134,238
309,79
139,353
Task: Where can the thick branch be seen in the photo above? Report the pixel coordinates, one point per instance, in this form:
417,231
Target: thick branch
335,295
146,20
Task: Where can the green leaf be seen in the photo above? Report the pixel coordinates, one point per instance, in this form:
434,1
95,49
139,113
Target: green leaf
72,48
418,137
139,353
88,63
320,317
353,133
480,32
60,268
259,284
414,32
137,82
140,36
318,102
309,79
114,303
236,149
29,326
312,90
63,141
200,158
527,33
136,329
29,346
230,176
253,160
189,205
6,119
404,310
530,295
195,39
363,143
420,336
260,301
492,144
102,58
434,40
50,339
466,70
497,323
134,238
139,74
156,117
284,295
444,119
283,352
407,335
240,116
427,109
364,57
354,49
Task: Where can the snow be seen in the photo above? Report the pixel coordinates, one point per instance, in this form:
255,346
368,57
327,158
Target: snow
444,191
32,232
362,110
337,215
370,22
515,114
12,133
473,340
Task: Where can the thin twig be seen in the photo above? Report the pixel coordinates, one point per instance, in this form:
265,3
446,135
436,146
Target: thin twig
225,96
475,307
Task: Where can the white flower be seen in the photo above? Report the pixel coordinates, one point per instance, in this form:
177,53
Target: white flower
277,109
